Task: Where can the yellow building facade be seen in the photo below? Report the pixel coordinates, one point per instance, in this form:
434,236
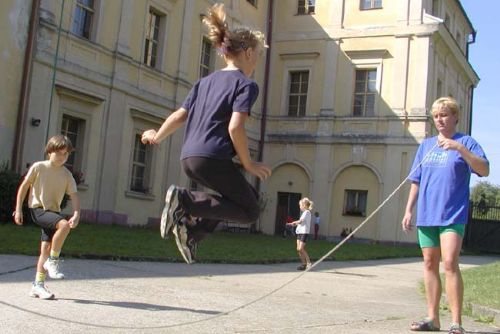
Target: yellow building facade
345,91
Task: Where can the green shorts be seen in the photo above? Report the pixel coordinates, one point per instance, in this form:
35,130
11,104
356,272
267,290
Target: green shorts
428,236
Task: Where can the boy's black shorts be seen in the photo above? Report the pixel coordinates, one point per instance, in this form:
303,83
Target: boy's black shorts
47,220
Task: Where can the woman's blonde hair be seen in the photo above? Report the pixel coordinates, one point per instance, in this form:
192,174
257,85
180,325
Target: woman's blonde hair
307,203
58,143
230,42
446,102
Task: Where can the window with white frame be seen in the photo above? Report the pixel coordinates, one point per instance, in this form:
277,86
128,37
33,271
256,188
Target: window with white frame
141,166
370,4
74,129
355,202
306,7
152,43
207,58
365,92
297,94
82,18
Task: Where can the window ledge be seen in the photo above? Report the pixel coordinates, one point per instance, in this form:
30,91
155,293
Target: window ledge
82,186
371,8
137,195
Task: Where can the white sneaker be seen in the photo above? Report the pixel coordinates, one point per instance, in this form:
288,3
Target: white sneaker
39,290
52,266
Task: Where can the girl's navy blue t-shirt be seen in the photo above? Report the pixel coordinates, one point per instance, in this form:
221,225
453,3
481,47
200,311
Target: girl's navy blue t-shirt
210,104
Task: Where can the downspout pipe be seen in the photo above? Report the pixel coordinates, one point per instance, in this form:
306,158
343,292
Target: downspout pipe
54,71
471,107
266,81
265,96
22,109
472,41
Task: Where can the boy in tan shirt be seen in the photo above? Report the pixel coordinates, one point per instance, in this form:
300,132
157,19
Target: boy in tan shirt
49,180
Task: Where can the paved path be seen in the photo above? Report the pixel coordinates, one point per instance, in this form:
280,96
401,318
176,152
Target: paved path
153,297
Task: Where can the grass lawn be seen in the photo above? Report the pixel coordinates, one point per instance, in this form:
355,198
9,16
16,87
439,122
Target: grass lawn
134,243
481,285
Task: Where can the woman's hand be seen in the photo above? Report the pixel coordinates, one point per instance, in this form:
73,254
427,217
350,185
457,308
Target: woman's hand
449,144
406,223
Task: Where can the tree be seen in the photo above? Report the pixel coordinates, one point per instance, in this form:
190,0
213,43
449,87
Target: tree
486,194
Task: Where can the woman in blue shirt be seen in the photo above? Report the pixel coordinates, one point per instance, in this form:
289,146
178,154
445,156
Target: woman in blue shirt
440,185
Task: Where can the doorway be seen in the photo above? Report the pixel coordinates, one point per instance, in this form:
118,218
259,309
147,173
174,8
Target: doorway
288,206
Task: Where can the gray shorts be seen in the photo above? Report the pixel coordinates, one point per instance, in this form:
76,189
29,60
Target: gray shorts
303,237
47,220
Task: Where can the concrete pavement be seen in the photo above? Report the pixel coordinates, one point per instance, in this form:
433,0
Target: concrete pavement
153,297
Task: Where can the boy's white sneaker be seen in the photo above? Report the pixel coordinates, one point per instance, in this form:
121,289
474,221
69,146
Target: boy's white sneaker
52,266
39,290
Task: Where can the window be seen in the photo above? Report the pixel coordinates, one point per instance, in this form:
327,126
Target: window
365,92
207,58
139,181
447,20
306,7
355,202
82,20
152,38
435,8
439,88
74,129
458,37
252,2
370,4
297,97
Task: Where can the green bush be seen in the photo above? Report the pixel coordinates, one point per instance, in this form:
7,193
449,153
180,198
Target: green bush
9,181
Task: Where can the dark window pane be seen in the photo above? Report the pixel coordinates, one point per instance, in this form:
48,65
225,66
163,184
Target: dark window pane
360,87
294,87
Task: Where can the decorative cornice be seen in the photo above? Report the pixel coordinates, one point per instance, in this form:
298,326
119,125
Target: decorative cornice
364,54
78,95
299,55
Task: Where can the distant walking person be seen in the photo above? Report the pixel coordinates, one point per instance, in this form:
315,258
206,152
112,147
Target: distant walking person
302,231
48,181
215,111
440,186
317,221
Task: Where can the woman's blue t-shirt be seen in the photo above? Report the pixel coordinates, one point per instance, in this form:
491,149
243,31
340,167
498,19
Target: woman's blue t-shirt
210,104
443,178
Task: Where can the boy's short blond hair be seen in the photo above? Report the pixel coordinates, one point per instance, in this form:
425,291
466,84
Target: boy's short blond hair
58,143
448,103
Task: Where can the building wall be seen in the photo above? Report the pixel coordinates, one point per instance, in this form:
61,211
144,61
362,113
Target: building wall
373,153
14,21
103,83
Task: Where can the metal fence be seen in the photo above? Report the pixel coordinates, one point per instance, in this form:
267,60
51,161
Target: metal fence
482,232
483,212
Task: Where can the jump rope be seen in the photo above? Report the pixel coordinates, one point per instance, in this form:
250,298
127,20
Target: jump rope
333,250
